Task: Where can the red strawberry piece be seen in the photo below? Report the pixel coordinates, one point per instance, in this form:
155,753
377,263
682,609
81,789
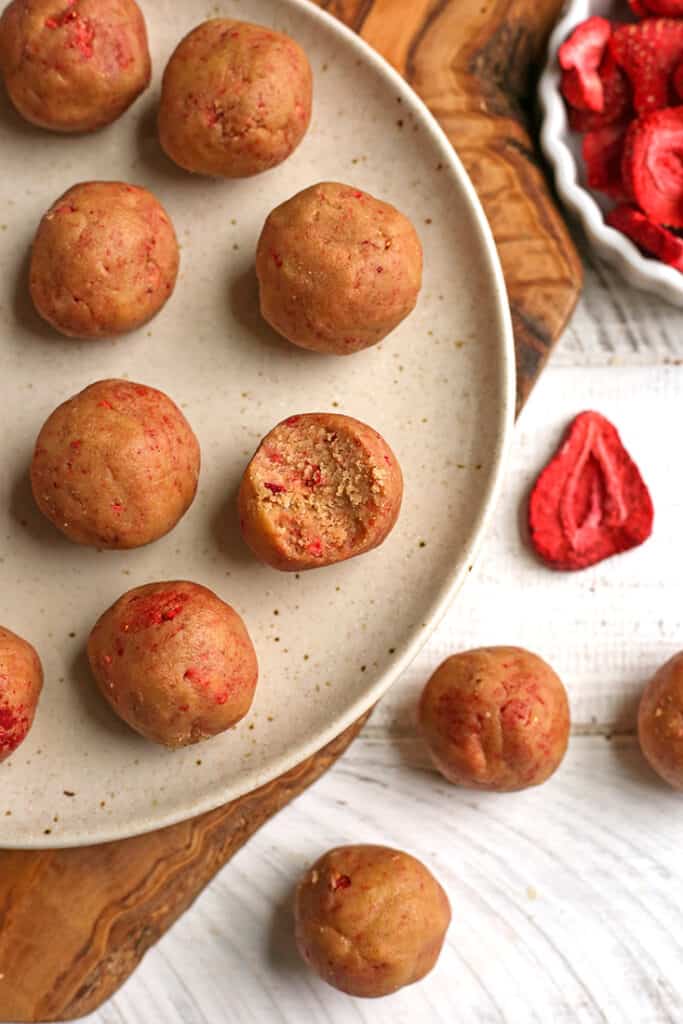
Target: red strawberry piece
648,52
652,165
590,501
617,99
582,92
639,8
678,81
582,54
651,238
602,152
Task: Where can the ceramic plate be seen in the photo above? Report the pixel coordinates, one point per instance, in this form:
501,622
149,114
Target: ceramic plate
440,389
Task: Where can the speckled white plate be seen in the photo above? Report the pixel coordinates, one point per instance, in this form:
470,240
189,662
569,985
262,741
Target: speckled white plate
440,389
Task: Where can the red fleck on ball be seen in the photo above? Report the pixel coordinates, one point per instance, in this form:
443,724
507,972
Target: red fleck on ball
590,501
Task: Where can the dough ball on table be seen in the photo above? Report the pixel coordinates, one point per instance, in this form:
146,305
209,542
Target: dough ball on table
73,65
236,99
370,919
104,260
660,721
21,680
338,269
495,718
321,488
116,466
174,662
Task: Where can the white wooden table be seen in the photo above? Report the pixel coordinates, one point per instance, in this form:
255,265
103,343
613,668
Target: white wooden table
567,899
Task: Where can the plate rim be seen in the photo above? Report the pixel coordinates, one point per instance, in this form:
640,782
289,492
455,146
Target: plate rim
101,832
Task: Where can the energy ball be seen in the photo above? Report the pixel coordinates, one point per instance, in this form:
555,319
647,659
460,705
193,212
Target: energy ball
495,718
660,721
370,919
116,466
174,662
73,65
321,488
236,99
337,269
104,260
21,680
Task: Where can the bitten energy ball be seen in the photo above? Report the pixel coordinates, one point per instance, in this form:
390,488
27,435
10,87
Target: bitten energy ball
660,721
104,260
174,662
338,269
21,680
73,65
116,466
321,488
370,919
236,99
495,718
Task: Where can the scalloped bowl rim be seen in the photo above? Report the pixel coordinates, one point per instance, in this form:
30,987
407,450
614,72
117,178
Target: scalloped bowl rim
640,271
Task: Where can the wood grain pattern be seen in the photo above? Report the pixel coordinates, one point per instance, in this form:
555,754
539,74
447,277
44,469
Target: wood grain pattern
75,923
474,64
109,904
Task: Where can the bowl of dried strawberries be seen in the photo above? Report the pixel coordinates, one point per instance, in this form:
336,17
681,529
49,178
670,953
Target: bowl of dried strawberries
612,102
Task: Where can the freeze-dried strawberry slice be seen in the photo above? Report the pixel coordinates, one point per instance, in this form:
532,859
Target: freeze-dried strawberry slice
590,501
582,92
602,152
617,99
648,52
581,55
653,239
652,165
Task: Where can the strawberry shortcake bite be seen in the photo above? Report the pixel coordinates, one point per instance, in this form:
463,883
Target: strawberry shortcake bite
321,488
115,466
174,661
73,65
236,99
21,680
104,260
338,269
495,718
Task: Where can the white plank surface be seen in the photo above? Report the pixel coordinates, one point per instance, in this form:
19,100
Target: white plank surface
567,899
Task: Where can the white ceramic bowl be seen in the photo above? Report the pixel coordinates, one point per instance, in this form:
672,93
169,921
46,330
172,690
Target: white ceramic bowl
562,148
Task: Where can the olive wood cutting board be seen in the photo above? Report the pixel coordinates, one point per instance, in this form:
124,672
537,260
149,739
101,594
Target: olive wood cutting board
75,923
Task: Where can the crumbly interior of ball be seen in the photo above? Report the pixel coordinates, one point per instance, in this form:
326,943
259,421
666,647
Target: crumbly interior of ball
317,486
